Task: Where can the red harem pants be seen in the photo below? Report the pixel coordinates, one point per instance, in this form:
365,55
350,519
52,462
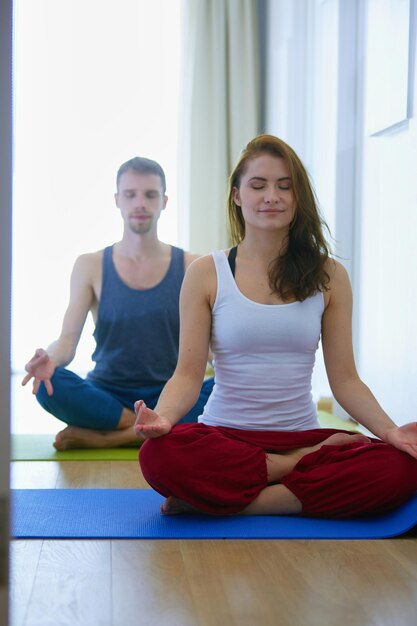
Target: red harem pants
222,470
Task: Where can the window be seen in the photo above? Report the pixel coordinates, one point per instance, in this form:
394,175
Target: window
95,83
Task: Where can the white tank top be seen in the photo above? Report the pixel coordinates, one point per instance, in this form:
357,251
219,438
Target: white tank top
264,356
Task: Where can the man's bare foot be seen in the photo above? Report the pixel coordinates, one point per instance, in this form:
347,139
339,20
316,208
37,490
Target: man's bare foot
74,437
175,506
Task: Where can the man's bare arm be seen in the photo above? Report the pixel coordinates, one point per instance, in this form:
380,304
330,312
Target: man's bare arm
61,352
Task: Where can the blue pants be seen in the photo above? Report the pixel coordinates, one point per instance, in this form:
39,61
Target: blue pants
80,402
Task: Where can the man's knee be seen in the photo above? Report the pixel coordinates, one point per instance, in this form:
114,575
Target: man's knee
45,400
197,410
42,396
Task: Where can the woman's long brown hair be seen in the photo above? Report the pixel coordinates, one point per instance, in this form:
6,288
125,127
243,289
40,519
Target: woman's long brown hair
299,272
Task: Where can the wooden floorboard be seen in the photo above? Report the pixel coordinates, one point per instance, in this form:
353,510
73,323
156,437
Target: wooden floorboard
201,583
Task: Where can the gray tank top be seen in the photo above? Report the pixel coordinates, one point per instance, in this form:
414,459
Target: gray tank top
137,330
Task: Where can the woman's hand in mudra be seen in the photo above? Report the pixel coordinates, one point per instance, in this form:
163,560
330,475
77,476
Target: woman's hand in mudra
149,424
404,438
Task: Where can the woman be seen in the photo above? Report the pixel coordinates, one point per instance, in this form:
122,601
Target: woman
258,447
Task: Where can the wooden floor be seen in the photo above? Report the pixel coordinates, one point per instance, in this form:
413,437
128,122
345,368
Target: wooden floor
202,583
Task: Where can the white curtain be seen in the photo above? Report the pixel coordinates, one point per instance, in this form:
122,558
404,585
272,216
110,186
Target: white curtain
219,112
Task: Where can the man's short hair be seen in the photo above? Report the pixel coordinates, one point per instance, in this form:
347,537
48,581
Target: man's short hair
141,165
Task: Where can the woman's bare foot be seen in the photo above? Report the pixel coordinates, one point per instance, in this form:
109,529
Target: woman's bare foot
74,437
276,499
175,506
338,439
281,464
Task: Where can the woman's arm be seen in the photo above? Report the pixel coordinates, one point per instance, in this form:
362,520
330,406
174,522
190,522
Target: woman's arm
181,391
348,389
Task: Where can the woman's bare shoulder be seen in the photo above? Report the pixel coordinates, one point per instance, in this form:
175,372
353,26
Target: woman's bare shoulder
339,287
202,265
190,258
336,271
200,278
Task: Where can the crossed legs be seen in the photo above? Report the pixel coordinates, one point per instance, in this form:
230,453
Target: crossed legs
275,499
97,416
73,437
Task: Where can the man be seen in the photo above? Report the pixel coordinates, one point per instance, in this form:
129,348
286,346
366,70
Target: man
132,290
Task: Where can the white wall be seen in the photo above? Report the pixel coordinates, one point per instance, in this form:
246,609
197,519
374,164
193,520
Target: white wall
366,185
388,280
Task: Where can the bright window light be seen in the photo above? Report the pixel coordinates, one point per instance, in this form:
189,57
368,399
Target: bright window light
95,83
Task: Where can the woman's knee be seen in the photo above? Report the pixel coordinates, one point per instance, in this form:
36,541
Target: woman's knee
166,460
155,465
400,472
359,481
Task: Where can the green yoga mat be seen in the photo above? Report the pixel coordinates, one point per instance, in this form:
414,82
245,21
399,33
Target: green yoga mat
39,447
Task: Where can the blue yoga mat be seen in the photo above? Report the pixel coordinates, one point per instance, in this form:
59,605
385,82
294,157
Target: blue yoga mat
134,514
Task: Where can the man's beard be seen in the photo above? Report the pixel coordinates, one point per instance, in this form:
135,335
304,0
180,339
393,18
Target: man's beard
140,228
